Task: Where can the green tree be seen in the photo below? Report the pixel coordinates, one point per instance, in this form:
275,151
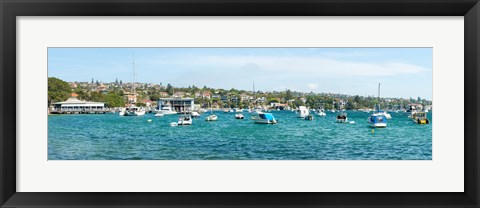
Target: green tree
113,100
169,89
58,90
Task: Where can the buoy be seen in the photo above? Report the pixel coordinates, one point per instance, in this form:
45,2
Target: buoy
373,130
149,120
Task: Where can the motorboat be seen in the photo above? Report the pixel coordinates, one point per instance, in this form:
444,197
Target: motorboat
195,114
341,118
420,118
309,117
166,110
211,117
239,116
133,110
185,120
265,118
321,112
377,120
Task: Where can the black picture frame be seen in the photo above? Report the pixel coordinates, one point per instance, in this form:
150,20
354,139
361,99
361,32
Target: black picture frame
10,9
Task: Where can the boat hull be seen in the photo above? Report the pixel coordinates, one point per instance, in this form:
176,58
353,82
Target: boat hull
341,120
211,118
378,125
167,112
134,113
262,121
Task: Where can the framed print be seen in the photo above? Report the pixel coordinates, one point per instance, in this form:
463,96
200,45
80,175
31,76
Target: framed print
291,63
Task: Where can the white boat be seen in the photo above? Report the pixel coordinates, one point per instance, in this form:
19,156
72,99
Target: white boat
321,112
387,115
377,120
166,110
133,110
159,115
302,112
341,118
333,110
239,116
185,120
211,117
195,114
121,112
265,118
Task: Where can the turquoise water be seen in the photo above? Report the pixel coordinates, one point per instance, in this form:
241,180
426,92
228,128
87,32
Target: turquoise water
113,137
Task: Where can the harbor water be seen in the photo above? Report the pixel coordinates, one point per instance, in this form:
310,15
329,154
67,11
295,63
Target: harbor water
114,137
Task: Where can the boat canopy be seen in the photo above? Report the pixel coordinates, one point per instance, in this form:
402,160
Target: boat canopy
267,116
378,119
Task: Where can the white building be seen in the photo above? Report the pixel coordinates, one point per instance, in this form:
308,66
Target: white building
74,105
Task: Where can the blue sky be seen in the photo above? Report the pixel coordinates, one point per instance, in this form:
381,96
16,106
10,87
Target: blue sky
402,72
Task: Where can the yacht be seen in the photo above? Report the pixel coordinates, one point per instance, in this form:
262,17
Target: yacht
166,110
132,110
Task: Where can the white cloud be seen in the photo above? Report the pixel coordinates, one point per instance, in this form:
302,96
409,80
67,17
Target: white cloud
312,86
312,65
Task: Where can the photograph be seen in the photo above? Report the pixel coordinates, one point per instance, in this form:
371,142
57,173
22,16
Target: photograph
280,103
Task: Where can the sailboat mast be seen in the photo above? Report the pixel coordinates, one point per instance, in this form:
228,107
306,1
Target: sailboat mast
379,91
133,69
378,105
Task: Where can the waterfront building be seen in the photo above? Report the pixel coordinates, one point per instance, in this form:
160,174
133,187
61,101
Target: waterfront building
74,106
177,104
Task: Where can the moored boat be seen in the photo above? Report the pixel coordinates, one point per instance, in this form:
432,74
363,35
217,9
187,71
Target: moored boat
378,119
420,118
309,117
321,112
265,118
133,110
185,120
341,117
195,114
211,117
239,116
302,112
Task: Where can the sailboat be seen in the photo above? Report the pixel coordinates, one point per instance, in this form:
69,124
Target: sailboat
133,110
377,119
302,112
211,117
